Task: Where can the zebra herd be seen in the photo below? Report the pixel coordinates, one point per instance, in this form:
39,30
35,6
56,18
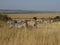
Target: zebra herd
20,23
25,23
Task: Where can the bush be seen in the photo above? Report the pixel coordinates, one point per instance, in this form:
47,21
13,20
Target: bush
1,16
4,18
35,18
57,17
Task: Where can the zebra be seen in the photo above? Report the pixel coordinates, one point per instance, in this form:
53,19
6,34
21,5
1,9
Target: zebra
46,20
34,24
21,24
18,24
11,23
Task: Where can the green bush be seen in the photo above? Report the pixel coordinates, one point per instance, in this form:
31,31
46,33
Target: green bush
4,18
35,18
57,17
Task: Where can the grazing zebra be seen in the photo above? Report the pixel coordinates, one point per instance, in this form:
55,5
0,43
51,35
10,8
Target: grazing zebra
11,23
46,20
18,24
34,23
22,24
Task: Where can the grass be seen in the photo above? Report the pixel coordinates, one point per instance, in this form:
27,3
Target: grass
39,15
45,34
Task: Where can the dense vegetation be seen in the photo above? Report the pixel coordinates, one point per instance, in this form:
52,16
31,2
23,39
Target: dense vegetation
4,17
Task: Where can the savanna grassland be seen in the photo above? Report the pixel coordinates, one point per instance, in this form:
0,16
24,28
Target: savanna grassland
38,15
45,34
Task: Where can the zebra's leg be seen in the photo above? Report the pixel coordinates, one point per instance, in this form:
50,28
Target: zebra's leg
10,26
35,26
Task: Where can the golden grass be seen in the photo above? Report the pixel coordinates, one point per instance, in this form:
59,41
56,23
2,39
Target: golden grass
39,15
45,34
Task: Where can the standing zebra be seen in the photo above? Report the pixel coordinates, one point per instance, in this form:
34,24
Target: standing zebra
11,23
35,23
21,24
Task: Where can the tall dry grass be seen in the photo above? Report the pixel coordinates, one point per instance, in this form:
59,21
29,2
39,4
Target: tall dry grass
39,15
45,34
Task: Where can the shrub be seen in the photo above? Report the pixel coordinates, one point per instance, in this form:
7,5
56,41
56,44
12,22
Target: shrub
35,18
4,18
57,17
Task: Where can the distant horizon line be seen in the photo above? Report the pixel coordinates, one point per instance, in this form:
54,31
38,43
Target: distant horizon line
28,10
